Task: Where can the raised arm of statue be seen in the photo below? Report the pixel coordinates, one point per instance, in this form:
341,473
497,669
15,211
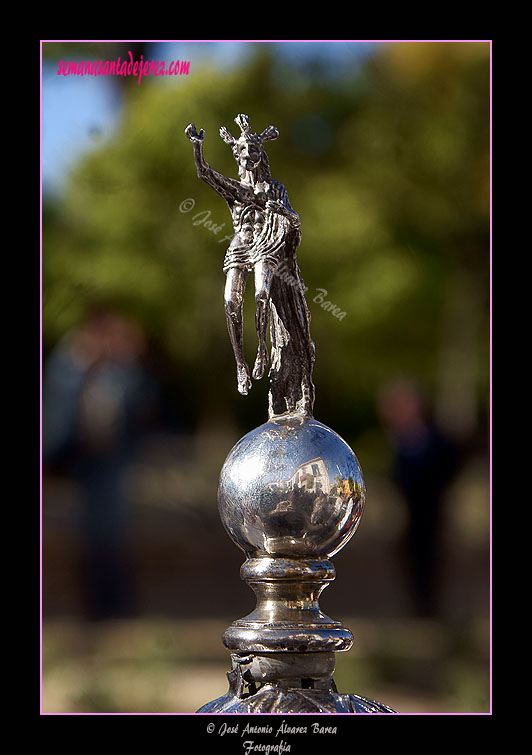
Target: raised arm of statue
227,188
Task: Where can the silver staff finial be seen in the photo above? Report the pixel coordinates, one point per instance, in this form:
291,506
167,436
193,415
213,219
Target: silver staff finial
291,492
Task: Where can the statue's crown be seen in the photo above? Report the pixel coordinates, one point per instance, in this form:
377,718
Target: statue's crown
242,120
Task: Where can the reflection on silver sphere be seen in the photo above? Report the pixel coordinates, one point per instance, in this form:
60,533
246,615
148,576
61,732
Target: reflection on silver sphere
291,487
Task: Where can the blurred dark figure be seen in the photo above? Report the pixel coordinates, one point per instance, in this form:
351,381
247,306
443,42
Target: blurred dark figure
425,463
97,401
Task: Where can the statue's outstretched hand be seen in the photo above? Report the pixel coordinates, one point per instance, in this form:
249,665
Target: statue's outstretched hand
193,135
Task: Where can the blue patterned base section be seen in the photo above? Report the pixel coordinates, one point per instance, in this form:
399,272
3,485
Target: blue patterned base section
274,699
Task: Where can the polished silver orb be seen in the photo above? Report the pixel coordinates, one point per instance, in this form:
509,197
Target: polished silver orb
293,488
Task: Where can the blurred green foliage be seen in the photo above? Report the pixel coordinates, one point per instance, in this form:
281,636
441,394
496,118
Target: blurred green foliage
389,171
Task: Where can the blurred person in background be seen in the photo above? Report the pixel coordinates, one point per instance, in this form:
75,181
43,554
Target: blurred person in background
425,463
97,401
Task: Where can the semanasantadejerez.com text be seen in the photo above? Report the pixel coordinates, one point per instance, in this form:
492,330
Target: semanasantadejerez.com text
123,68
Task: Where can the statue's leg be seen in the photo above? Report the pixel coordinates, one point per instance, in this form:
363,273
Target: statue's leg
234,299
263,278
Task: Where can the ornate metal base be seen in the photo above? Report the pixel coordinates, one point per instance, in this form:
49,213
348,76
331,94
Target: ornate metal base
247,694
291,494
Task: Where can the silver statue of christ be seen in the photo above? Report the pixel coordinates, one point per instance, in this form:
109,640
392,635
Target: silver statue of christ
267,234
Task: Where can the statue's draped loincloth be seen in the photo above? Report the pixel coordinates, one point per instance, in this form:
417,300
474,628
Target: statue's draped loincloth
259,237
265,236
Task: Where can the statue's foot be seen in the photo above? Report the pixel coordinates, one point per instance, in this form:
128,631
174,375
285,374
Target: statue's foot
260,364
243,379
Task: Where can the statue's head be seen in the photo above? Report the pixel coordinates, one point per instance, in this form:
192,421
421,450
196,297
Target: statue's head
248,149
